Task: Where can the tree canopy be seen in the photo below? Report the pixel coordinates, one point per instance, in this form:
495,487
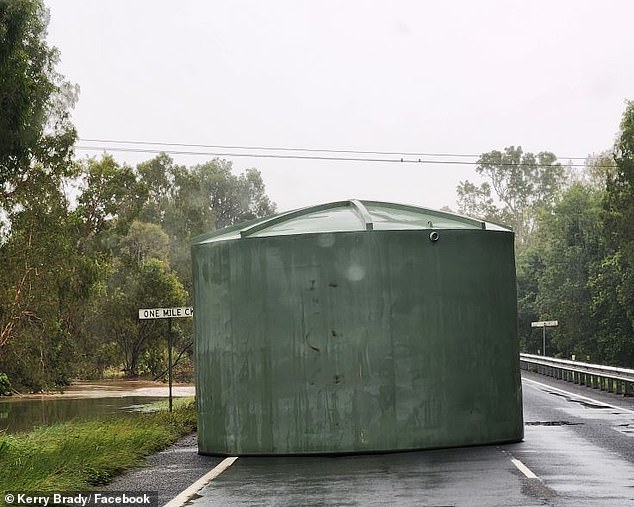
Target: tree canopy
517,187
36,135
76,270
575,245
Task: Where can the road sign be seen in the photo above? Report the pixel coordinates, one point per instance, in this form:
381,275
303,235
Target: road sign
166,313
545,323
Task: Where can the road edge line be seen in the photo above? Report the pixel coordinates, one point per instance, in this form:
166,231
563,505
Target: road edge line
194,488
579,395
523,468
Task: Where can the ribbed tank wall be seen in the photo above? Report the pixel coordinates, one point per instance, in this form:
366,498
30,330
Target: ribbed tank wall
356,342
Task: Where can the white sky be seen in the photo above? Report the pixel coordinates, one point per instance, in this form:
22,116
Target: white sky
399,76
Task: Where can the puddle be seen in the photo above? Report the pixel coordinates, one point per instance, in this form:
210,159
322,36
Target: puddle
582,402
551,423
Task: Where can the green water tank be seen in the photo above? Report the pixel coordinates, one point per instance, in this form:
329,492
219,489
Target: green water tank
355,326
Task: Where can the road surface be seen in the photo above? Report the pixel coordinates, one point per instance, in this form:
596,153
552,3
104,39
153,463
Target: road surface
578,451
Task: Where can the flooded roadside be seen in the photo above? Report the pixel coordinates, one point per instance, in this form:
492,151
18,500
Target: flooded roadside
82,400
119,387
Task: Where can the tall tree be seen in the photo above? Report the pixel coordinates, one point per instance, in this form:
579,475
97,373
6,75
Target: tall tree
148,284
616,293
134,230
36,134
619,202
187,201
529,267
518,185
39,291
210,196
37,283
110,199
571,245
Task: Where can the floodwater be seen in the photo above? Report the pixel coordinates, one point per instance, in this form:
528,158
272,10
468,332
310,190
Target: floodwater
82,400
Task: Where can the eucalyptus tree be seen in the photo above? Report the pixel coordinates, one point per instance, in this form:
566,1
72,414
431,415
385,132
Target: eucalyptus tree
517,186
614,278
571,244
37,286
36,134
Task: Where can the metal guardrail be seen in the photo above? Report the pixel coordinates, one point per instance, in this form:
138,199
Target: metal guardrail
605,378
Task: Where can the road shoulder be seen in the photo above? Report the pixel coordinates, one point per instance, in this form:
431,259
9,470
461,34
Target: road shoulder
168,472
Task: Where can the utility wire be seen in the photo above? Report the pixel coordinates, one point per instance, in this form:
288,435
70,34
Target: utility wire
280,148
289,149
272,155
401,160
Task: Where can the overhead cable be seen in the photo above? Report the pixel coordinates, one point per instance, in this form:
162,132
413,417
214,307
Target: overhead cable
405,159
293,149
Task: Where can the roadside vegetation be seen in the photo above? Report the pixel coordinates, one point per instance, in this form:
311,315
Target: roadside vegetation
85,243
574,243
81,455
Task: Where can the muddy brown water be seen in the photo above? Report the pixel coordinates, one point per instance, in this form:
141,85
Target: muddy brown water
82,400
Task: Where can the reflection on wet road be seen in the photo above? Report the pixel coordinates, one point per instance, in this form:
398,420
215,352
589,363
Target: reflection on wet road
577,451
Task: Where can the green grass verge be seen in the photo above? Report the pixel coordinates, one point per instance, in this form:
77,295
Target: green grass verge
80,455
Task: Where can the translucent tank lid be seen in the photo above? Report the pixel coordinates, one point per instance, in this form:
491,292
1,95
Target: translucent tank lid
348,216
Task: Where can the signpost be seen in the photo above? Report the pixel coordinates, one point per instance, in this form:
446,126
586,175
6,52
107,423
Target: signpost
167,313
544,324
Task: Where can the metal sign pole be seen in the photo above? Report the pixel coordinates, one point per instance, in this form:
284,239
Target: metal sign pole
167,313
544,324
169,359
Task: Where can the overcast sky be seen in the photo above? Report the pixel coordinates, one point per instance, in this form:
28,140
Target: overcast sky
458,77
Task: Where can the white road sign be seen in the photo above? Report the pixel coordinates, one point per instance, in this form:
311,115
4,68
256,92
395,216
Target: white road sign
165,313
545,323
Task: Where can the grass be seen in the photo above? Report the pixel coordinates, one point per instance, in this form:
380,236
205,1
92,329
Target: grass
80,455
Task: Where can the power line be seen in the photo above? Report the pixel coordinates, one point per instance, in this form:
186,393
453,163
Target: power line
282,149
291,149
401,160
272,155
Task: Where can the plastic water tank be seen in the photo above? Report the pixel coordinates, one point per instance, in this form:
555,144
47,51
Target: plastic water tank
355,326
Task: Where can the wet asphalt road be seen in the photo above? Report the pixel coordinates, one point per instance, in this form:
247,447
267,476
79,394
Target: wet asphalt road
581,452
167,472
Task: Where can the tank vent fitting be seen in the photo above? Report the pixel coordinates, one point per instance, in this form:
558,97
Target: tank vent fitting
433,236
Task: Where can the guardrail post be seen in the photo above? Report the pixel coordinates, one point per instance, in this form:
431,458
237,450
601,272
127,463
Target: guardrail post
605,378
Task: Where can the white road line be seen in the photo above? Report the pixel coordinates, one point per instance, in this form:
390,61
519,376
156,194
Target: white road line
523,468
186,494
574,395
